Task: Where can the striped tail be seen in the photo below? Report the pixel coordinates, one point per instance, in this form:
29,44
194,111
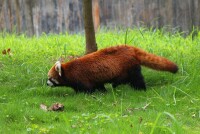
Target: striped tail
155,62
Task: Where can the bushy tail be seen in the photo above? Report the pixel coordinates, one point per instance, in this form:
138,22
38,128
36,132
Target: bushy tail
155,62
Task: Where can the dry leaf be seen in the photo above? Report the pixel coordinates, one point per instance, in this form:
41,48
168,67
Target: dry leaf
8,51
56,107
53,107
4,52
43,107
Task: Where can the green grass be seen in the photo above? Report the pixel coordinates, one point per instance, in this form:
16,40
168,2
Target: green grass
171,103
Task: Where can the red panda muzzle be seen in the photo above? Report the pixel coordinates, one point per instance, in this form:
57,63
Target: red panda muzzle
51,83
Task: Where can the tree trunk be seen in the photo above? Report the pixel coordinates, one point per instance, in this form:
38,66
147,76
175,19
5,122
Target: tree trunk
18,16
1,14
91,45
29,17
96,15
10,16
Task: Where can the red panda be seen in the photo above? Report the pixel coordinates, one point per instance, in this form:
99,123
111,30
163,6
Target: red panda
116,65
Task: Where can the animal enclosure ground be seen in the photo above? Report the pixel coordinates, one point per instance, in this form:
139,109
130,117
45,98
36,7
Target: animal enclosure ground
171,103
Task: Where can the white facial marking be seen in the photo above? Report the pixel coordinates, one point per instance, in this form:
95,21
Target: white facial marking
49,83
58,67
54,80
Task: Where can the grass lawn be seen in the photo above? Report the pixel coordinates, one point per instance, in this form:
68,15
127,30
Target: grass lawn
171,103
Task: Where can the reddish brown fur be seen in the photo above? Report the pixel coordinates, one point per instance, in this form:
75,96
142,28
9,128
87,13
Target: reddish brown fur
119,64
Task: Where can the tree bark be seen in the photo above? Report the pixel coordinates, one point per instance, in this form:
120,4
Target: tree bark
29,17
18,16
91,45
10,16
1,14
96,15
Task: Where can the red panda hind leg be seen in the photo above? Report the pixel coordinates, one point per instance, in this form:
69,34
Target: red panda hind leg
134,78
137,79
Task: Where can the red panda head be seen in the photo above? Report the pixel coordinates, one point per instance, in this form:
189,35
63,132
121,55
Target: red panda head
55,75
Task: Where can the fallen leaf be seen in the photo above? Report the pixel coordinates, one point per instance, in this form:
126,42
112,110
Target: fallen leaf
53,107
8,50
43,107
4,52
56,107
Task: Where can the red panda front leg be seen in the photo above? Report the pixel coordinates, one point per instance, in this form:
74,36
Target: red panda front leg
101,88
88,87
83,87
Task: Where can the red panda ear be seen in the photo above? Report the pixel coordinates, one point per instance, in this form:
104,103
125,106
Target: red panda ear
58,67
